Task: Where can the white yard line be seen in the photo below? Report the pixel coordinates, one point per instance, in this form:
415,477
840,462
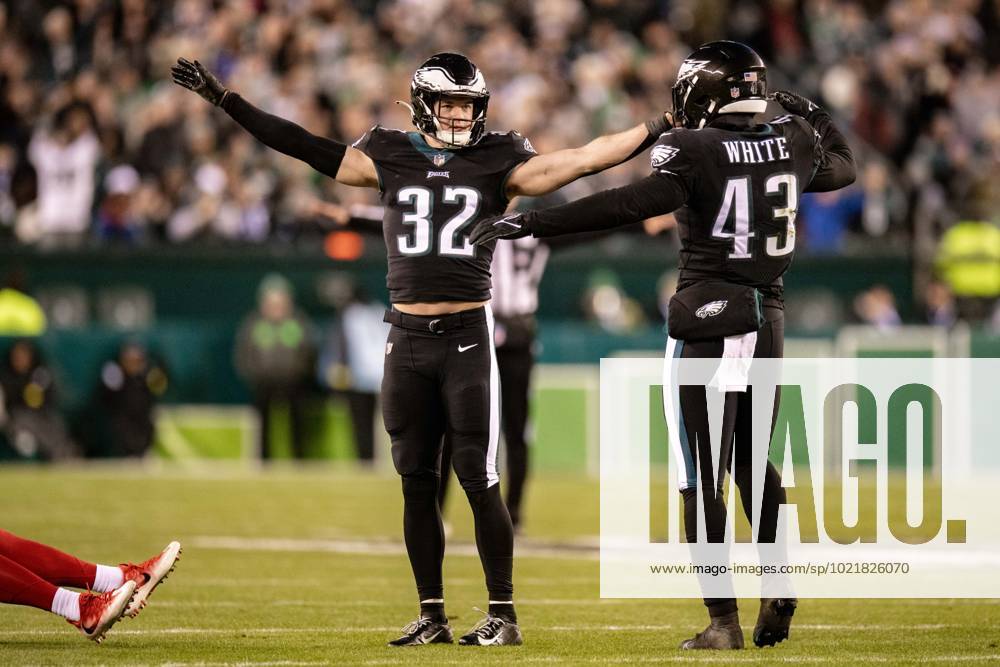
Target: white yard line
265,663
549,628
384,547
582,549
750,657
747,658
210,631
707,658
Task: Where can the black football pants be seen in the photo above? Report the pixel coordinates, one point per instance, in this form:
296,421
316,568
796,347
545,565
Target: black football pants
695,445
441,380
515,364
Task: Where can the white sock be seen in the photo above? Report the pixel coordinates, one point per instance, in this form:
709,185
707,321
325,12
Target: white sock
108,578
66,604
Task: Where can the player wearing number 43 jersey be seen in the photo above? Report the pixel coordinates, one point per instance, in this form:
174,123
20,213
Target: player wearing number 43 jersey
735,183
440,364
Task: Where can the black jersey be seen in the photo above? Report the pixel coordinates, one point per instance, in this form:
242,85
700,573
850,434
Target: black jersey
743,186
432,197
735,185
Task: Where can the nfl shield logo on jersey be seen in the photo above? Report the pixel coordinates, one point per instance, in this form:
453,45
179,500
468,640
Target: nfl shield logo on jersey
711,309
439,159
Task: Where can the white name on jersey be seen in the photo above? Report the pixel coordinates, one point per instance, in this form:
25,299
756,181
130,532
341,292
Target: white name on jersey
752,152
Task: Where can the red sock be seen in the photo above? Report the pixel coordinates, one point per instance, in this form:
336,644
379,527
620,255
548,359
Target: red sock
18,585
50,564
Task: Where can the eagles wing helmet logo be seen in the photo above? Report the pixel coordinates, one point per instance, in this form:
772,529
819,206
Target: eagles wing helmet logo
690,68
660,155
711,309
528,148
440,80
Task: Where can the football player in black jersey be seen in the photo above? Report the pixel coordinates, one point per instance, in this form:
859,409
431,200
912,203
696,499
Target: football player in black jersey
440,365
735,184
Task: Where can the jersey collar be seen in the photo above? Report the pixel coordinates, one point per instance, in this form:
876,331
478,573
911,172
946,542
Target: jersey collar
733,120
740,122
437,156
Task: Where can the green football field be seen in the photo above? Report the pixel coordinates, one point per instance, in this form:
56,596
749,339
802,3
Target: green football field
305,567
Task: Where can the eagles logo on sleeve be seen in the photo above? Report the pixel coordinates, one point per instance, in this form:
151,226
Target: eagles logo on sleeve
660,155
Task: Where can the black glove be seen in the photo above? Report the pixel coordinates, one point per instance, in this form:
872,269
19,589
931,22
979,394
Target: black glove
511,226
796,104
194,76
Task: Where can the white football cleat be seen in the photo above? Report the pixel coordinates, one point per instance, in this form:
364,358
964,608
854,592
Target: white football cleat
149,574
99,611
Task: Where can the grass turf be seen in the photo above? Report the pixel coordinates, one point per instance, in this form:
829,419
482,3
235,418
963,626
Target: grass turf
291,603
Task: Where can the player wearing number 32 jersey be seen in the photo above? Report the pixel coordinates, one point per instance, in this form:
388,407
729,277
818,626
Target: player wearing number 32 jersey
735,183
431,197
440,364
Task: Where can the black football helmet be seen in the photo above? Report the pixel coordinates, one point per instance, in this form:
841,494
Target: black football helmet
448,75
717,78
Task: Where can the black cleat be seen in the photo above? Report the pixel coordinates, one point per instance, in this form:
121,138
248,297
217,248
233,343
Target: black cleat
424,631
773,621
493,631
722,633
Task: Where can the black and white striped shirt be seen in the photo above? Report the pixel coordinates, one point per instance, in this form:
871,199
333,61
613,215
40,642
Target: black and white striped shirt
517,269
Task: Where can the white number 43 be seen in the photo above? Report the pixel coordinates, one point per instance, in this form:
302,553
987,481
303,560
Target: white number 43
736,205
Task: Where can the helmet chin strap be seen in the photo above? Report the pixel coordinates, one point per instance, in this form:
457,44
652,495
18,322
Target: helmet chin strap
458,143
708,112
455,139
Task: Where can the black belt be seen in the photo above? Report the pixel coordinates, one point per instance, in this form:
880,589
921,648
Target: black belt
436,323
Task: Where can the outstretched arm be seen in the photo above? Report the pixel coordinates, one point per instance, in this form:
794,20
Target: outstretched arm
347,165
656,194
835,167
549,172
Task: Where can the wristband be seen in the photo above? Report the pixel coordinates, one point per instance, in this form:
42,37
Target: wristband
654,129
657,126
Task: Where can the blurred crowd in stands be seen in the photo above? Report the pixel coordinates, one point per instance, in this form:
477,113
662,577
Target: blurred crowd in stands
95,143
98,147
